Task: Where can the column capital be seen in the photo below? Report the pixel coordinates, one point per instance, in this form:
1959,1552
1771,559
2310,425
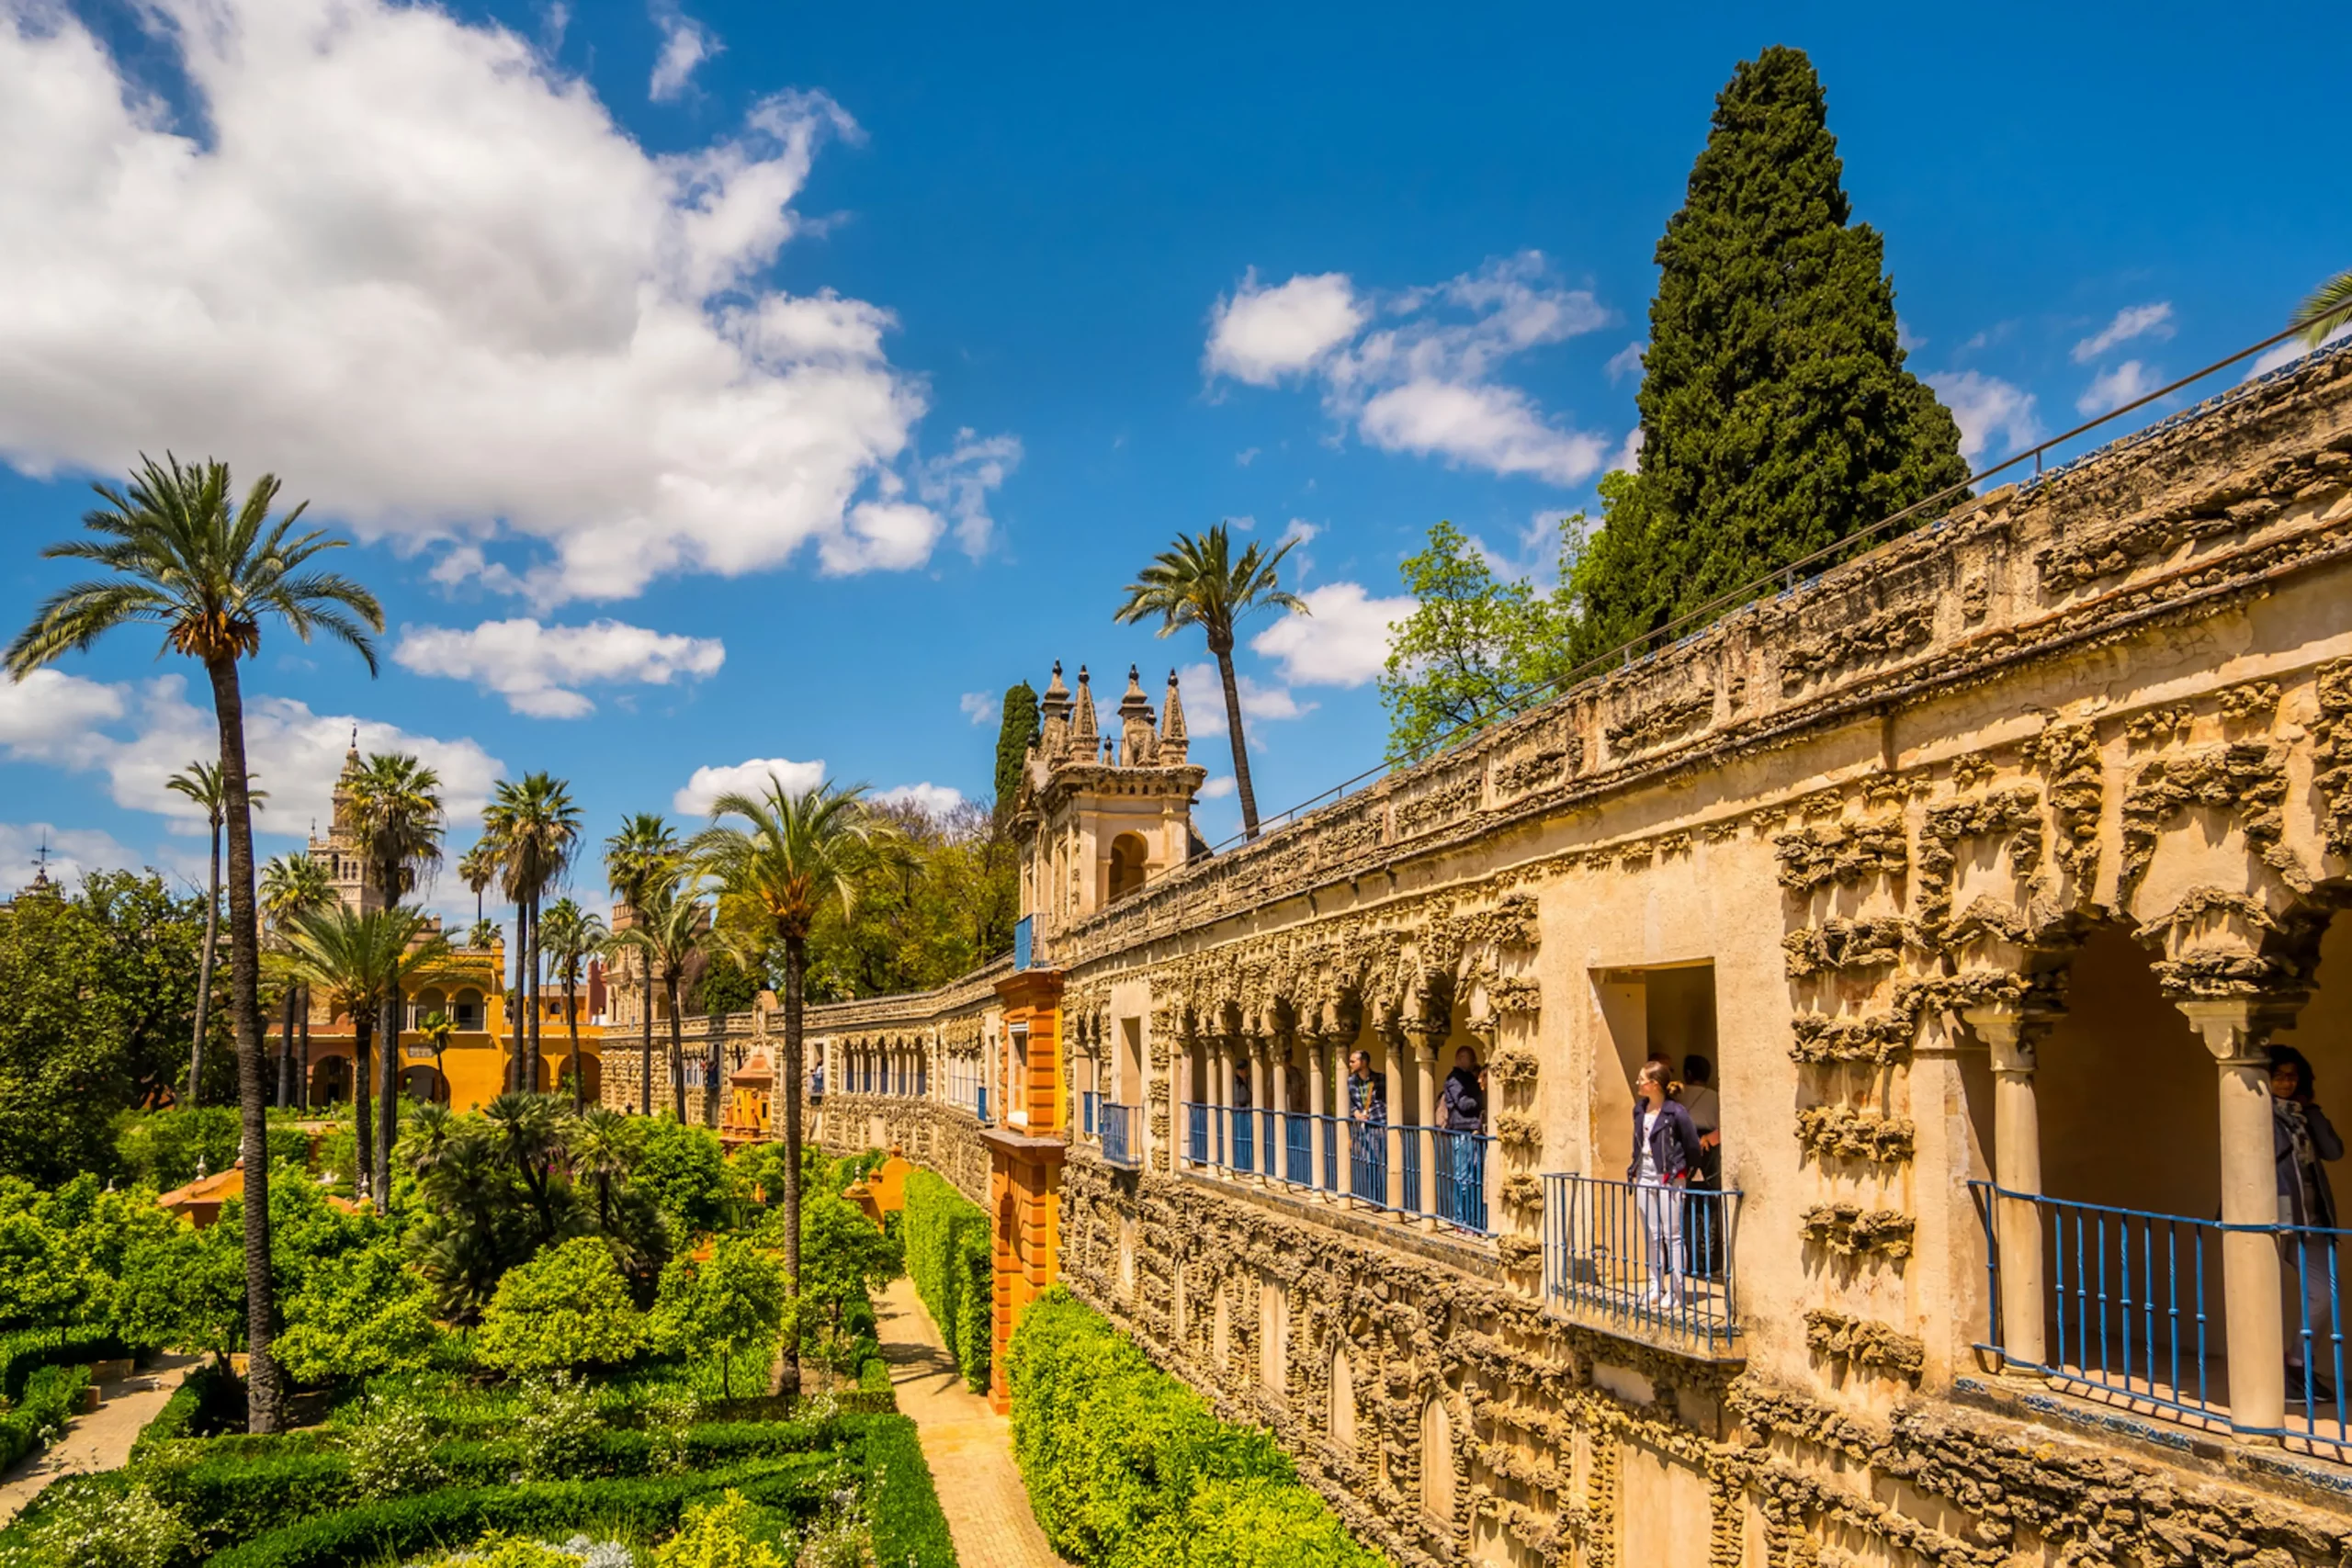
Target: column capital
2237,1030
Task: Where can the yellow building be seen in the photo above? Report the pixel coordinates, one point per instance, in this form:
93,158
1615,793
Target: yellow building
475,1063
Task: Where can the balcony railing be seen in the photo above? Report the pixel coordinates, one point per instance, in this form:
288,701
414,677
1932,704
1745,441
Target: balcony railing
980,1103
1118,1135
1089,1106
1441,1175
2134,1311
1646,1260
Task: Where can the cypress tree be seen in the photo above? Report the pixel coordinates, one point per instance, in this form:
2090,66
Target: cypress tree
1014,731
1777,417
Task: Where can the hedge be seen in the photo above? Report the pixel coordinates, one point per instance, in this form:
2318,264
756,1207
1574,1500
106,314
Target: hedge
27,1350
437,1519
1127,1468
901,1503
202,1404
950,1258
46,1399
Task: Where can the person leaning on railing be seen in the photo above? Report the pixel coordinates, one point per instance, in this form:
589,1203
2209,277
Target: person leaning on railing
1461,1112
1367,1110
1666,1149
2302,1139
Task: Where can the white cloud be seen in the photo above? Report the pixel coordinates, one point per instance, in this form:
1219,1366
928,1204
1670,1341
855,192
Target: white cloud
980,707
933,800
959,482
1626,361
1203,695
74,852
293,753
1985,406
1246,457
1343,641
405,236
538,670
2116,386
1300,529
1424,385
1261,336
1218,787
745,778
685,43
2287,353
1629,455
2133,321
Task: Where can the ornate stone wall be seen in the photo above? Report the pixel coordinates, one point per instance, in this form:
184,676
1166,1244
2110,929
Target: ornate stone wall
1884,811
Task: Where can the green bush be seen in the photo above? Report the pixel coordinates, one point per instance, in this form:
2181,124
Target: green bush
1127,1468
47,1401
566,1307
951,1259
162,1149
901,1503
28,1349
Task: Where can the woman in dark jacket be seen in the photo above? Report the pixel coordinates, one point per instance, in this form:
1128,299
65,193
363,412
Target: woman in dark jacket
1462,1176
2304,1142
1666,1149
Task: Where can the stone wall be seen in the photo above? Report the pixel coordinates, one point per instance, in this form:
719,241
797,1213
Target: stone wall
1886,813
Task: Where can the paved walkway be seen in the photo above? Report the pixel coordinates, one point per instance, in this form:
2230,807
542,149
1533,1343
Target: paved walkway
100,1440
970,1445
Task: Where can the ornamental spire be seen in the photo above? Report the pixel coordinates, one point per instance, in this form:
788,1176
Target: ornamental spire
1172,738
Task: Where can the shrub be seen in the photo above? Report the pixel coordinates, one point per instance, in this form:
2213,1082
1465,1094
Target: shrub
734,1304
27,1351
49,1395
684,1169
392,1452
901,1503
558,1428
1127,1468
723,1532
949,1257
358,1315
566,1307
115,1526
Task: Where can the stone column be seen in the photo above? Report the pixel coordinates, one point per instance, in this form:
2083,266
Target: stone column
1318,1131
1280,1163
1220,1105
1426,1043
1258,1046
2017,1168
2236,1030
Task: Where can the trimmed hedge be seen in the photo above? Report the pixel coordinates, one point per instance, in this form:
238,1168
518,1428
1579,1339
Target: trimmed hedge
202,1404
48,1398
1127,1468
27,1350
412,1524
901,1503
950,1258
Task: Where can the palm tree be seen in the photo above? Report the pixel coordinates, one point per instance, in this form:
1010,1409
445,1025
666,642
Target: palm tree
478,868
568,934
183,555
2327,312
200,782
1197,581
482,934
644,850
355,959
796,854
668,930
436,1028
538,831
290,886
396,818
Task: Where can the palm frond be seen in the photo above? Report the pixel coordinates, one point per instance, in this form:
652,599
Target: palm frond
2327,312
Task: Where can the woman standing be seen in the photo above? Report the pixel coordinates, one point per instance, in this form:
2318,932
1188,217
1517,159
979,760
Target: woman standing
1666,1150
2303,1140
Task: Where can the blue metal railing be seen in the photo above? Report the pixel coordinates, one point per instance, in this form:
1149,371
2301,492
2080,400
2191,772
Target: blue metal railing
1408,1172
1118,1126
980,1101
1298,1149
1357,1158
1196,1133
1090,1104
2135,1299
1460,1178
1644,1259
1243,1140
1368,1160
1022,949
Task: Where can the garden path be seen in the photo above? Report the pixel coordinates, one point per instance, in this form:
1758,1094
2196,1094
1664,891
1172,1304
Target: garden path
100,1440
968,1445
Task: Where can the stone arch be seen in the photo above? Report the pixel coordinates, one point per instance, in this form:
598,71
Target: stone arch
1340,1418
1437,1459
1128,858
1273,1336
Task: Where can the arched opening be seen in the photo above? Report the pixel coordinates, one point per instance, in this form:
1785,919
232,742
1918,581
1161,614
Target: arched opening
330,1080
1127,856
1437,1460
423,1083
1273,1336
465,1014
1342,1414
425,1004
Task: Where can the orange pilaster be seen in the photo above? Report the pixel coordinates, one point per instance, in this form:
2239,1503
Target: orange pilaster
1025,1164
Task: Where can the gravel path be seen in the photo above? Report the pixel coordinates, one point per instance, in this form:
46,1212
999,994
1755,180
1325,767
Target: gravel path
100,1440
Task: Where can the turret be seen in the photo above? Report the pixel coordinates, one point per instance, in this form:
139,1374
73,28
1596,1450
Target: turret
1174,742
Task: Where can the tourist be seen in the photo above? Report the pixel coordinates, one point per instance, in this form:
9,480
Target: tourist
1461,1113
2302,1141
1666,1148
1706,1217
1368,1129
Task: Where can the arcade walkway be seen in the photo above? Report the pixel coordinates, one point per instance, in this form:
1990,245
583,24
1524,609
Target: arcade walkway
968,1445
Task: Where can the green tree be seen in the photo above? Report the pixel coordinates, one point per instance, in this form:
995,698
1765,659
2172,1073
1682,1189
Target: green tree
568,935
359,1314
536,826
1016,732
643,852
2326,312
200,782
396,818
181,554
290,886
845,1257
666,931
795,855
732,1304
566,1307
1197,581
1473,647
1777,418
683,1170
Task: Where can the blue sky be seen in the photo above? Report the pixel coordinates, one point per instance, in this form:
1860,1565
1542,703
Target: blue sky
726,384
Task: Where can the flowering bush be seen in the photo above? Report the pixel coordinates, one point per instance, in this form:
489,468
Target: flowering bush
93,1529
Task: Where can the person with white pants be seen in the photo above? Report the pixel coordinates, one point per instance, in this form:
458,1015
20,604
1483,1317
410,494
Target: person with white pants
1666,1151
